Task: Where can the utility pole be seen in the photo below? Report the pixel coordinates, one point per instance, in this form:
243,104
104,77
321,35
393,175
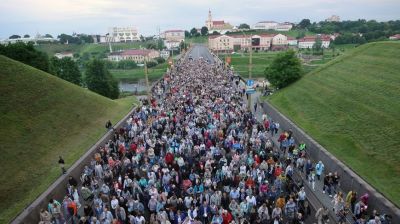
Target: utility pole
250,67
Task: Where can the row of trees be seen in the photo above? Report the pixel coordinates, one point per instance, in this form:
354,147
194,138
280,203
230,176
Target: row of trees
97,77
357,32
16,36
75,38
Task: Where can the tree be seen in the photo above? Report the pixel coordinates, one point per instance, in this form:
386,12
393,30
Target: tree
304,24
26,36
14,36
193,32
301,34
66,69
26,53
48,35
65,38
317,47
284,70
160,44
85,38
216,33
204,31
244,26
183,45
187,33
98,79
151,46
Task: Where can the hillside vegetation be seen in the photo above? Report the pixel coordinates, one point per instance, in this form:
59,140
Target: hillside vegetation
351,106
43,117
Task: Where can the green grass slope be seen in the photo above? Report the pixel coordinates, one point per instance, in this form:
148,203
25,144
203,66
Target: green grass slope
41,118
351,106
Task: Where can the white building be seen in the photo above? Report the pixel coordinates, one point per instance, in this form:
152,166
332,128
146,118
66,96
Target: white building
292,42
136,55
121,34
284,26
231,42
333,18
164,54
173,38
272,25
65,54
309,41
265,25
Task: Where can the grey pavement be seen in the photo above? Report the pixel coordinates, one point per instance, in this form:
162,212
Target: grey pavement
200,51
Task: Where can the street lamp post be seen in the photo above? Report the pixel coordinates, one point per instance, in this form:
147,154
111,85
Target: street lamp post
147,80
250,68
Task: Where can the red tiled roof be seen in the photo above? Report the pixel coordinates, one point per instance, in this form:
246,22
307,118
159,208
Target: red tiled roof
219,22
312,38
290,38
143,52
267,22
170,31
396,36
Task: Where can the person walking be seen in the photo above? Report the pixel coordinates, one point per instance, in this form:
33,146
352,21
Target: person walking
319,169
322,215
61,162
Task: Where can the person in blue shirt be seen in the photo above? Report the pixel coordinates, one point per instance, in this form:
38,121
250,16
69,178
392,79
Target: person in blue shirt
179,217
204,212
319,168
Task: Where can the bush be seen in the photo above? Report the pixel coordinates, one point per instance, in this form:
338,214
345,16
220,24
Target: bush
151,64
160,60
127,64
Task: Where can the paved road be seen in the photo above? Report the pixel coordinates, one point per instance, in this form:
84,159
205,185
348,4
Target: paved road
201,51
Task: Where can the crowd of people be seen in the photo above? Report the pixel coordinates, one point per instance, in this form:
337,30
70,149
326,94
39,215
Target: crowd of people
194,153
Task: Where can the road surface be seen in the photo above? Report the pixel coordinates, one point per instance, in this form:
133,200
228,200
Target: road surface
200,51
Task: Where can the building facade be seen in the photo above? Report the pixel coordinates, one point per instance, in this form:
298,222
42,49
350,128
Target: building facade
272,25
395,37
136,55
173,38
309,41
122,34
234,42
333,18
279,42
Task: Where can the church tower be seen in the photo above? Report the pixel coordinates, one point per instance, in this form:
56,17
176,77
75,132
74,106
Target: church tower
209,20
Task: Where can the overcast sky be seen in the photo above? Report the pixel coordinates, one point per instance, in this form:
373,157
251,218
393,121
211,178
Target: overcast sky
96,16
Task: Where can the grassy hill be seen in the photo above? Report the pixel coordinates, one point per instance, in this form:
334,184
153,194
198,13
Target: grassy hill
351,106
43,117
